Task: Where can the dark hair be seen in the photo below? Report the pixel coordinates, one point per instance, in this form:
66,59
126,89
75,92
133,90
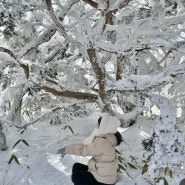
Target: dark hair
119,138
99,120
182,182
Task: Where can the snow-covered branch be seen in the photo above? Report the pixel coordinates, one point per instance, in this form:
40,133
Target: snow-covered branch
25,67
66,93
10,53
145,82
99,72
128,119
56,21
45,37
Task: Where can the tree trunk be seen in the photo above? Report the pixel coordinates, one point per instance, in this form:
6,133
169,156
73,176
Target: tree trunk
15,110
3,145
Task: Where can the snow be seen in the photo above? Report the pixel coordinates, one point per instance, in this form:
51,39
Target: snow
40,165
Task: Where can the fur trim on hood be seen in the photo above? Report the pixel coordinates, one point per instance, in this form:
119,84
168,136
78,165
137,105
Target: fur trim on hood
108,125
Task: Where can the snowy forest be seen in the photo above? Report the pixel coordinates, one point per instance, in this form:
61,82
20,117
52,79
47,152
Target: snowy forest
63,62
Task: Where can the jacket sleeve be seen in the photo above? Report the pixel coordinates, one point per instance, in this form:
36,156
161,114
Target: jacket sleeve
92,149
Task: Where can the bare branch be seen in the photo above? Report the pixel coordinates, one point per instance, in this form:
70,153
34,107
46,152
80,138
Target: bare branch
92,3
68,94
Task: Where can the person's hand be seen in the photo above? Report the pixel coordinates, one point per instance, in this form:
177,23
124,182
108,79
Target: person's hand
62,152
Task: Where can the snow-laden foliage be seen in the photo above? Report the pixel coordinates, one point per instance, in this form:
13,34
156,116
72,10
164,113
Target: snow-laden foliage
166,148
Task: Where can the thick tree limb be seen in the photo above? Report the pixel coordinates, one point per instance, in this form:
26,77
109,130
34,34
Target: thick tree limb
71,94
100,75
68,94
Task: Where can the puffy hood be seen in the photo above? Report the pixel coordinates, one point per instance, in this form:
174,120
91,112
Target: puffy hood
109,124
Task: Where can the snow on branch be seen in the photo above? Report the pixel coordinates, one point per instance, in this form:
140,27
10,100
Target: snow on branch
144,82
11,54
45,37
66,93
128,119
56,21
98,70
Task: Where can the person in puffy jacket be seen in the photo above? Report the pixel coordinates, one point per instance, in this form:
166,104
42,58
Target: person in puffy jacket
100,145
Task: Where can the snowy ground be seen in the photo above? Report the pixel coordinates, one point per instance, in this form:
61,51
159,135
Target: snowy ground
40,165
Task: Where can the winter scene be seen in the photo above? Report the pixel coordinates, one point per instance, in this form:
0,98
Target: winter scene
92,92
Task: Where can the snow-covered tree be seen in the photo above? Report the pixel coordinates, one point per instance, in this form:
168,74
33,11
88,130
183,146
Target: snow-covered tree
62,54
166,148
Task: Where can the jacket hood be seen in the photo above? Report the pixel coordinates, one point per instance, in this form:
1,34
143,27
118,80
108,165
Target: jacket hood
109,124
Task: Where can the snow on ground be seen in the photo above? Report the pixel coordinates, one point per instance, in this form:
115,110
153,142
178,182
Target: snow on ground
40,165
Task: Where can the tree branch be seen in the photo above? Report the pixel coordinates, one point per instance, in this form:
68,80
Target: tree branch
65,10
25,67
55,20
100,75
45,37
68,94
92,3
145,82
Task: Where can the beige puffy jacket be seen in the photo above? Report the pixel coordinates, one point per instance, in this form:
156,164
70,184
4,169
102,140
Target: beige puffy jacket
103,164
